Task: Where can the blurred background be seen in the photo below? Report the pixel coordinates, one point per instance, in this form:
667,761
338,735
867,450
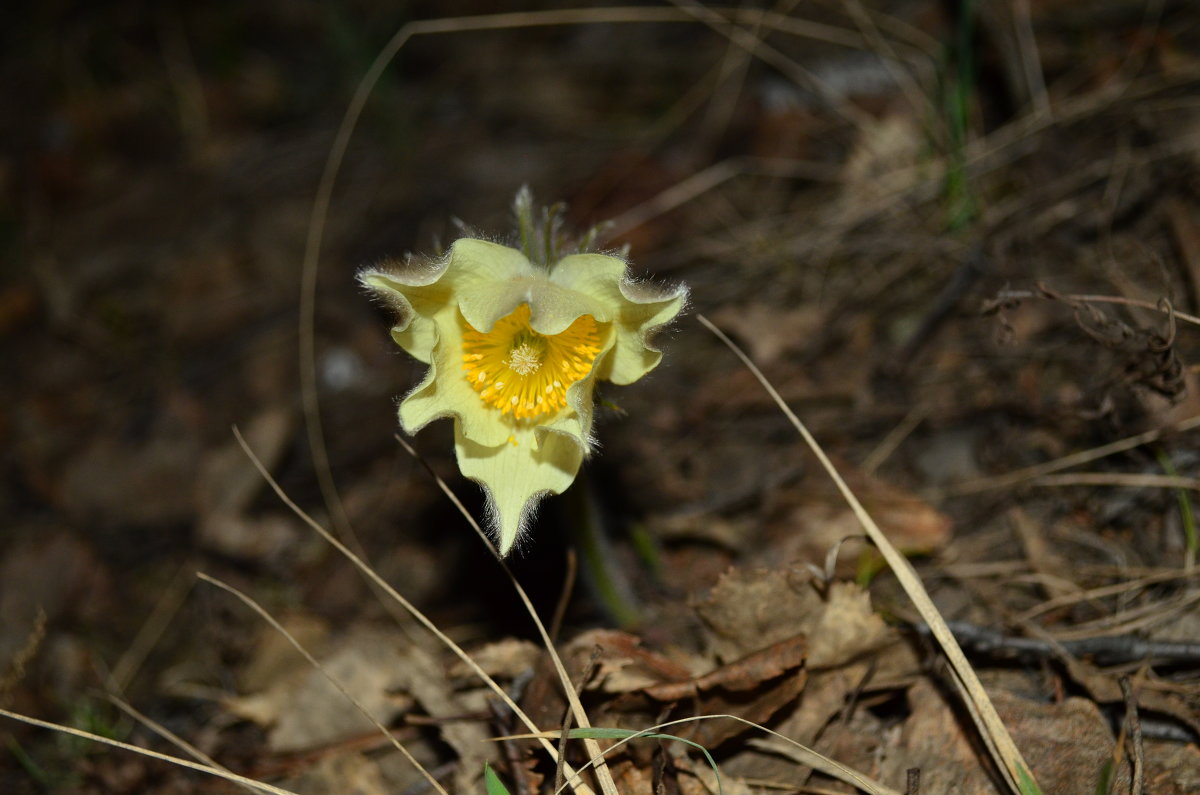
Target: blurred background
893,206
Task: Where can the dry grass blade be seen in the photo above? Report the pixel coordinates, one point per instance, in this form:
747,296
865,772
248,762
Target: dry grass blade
569,690
711,177
1016,295
755,46
1129,480
165,608
803,755
1133,620
1066,462
994,733
579,785
257,608
169,736
786,746
1103,592
175,760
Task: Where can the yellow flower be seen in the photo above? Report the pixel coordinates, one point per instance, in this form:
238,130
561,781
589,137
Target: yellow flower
514,352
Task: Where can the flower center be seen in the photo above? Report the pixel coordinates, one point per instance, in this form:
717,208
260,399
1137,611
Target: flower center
524,373
524,359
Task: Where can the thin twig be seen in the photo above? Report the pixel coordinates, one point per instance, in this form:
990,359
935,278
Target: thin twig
912,785
1133,737
1107,650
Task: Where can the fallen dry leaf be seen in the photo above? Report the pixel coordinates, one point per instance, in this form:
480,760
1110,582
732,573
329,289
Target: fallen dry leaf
745,674
505,659
933,739
1067,744
810,519
768,331
227,484
749,609
846,627
424,677
622,664
306,711
346,774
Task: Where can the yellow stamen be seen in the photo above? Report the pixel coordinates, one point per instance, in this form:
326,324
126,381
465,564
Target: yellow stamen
524,373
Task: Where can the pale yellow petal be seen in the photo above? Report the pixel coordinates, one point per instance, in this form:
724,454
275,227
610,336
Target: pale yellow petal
516,476
646,308
445,392
414,304
553,307
418,290
598,275
481,262
637,309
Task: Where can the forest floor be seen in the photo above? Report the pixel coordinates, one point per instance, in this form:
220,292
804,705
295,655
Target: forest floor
962,241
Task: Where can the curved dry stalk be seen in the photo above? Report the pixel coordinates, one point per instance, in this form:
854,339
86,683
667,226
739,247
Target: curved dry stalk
424,620
175,760
976,699
257,608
